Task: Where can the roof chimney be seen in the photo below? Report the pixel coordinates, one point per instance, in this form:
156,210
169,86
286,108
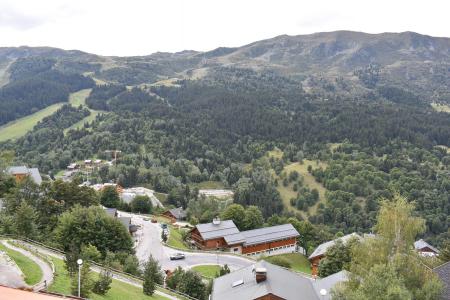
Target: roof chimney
260,274
216,221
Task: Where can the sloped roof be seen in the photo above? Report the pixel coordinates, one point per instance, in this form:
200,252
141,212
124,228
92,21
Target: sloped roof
420,244
329,282
126,221
32,172
178,213
112,212
280,282
322,248
443,271
212,231
17,170
234,239
267,234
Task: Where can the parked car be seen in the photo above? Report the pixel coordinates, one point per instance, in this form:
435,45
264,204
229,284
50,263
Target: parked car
177,256
163,225
146,219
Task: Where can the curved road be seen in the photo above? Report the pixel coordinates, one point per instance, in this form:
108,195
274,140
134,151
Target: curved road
96,269
47,272
149,242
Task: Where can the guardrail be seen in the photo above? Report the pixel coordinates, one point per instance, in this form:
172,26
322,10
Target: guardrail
114,271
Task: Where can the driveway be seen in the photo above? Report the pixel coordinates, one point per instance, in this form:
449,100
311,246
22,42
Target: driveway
149,242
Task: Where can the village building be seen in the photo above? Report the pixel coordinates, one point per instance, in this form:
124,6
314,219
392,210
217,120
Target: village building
224,235
321,250
266,281
425,249
443,272
72,166
176,214
21,172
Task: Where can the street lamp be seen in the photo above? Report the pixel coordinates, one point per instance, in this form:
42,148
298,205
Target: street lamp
323,293
79,262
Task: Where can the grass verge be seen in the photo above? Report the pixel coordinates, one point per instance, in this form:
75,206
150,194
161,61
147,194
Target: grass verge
31,270
119,290
208,271
298,261
175,239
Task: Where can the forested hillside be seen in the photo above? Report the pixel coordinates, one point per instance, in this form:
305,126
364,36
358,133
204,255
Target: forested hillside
186,118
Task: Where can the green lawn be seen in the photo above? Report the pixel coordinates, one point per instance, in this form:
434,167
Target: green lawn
175,238
208,271
119,290
298,261
31,270
20,127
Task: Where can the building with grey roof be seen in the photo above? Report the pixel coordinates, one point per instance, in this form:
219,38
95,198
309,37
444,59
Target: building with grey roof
264,280
176,214
443,272
424,248
328,283
20,172
225,235
321,250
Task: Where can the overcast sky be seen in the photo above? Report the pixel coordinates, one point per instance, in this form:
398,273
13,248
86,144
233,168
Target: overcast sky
140,27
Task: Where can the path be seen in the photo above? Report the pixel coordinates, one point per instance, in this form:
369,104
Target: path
47,272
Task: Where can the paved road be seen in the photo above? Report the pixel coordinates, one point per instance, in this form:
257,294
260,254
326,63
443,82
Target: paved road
149,242
47,272
10,274
96,269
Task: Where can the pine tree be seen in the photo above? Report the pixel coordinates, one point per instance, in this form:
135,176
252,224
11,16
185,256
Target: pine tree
152,276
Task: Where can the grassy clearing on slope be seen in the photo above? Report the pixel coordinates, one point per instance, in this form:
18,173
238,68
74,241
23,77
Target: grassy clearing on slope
308,180
119,290
20,127
88,119
31,270
440,107
298,261
175,239
161,197
79,98
287,192
208,271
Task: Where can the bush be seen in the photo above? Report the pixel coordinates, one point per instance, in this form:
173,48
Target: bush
280,261
103,284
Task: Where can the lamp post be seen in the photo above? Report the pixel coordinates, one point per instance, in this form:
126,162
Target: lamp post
79,262
323,293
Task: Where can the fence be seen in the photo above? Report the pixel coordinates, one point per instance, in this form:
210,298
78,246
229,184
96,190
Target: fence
118,273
